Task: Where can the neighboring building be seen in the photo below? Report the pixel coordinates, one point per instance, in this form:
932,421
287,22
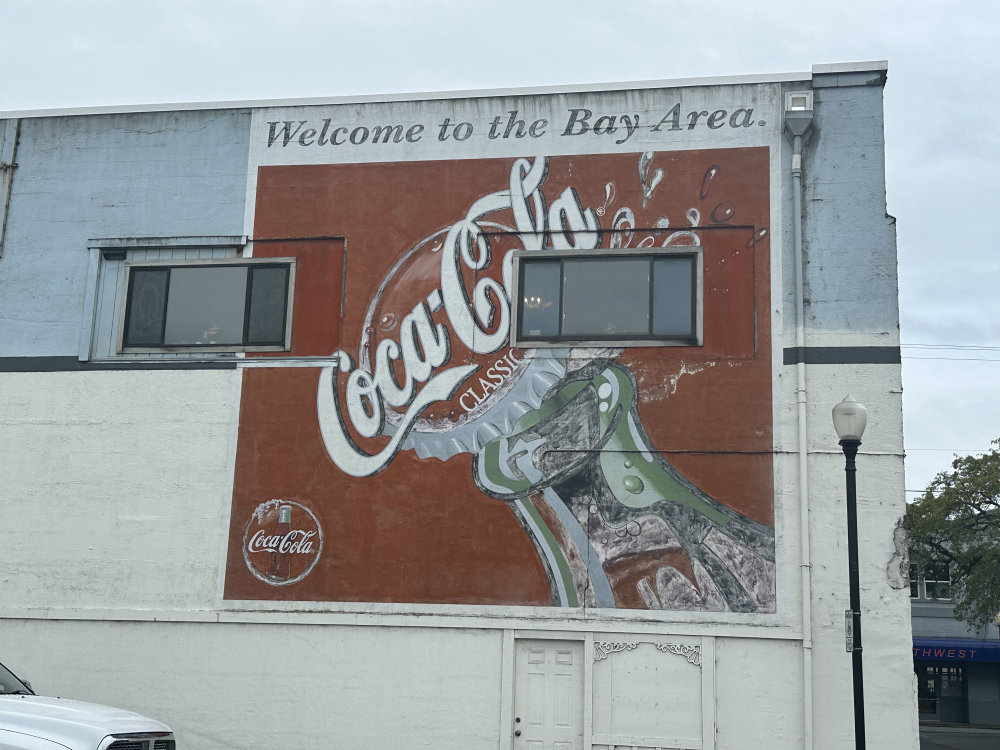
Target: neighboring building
489,419
957,667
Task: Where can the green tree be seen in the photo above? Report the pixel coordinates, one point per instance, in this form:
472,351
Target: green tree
957,522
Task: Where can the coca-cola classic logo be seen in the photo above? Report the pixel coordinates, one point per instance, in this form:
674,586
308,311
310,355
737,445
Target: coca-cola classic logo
412,373
282,542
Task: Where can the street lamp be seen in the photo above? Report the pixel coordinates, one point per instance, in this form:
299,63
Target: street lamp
849,419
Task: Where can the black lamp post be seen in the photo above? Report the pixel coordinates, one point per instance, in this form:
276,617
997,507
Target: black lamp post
849,419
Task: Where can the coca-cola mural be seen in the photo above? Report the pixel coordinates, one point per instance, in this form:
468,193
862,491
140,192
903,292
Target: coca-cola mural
444,465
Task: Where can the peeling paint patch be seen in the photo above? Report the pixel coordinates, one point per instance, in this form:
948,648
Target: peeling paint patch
661,390
898,569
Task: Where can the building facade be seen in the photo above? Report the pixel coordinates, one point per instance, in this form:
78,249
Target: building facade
490,419
957,667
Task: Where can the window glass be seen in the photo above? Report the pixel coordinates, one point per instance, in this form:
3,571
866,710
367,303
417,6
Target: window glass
673,297
540,299
927,680
268,292
606,298
610,296
147,298
937,582
206,306
952,682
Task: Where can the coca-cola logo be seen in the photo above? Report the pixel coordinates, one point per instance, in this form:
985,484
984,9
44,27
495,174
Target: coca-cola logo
410,372
282,542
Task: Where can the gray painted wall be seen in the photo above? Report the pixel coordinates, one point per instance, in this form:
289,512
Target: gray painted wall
849,240
118,175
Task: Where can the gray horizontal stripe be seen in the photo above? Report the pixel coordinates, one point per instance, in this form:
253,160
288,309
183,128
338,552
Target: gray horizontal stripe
810,355
70,364
842,355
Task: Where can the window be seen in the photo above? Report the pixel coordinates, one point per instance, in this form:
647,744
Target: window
936,682
596,298
934,582
937,582
207,306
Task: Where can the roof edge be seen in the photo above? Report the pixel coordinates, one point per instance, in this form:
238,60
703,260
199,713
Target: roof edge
878,66
457,94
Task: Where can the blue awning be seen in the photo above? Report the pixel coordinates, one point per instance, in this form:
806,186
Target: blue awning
955,649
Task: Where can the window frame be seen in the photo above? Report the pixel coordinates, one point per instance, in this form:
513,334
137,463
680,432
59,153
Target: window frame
937,581
919,581
123,313
521,258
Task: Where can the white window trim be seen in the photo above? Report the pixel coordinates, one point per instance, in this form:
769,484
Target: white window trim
105,252
651,252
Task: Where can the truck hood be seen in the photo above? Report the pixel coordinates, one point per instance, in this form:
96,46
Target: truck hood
72,723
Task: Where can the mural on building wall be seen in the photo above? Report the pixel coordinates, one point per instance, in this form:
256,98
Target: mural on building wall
441,465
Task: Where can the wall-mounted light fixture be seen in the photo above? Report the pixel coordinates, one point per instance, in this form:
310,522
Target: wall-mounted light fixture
799,101
798,112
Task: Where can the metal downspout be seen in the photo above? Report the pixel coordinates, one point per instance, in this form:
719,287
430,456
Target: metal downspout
8,152
798,121
805,563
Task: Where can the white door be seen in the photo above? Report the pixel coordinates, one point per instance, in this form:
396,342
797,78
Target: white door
548,695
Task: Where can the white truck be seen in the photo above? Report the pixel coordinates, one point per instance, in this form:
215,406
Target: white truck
34,722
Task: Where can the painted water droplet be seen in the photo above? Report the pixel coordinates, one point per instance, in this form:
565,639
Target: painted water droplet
609,195
593,509
369,331
761,234
633,484
605,390
649,182
603,406
706,182
628,463
723,212
388,321
634,528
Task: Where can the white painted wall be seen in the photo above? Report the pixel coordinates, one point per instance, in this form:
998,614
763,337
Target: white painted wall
116,488
116,493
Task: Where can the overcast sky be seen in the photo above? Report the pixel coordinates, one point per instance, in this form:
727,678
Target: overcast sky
942,113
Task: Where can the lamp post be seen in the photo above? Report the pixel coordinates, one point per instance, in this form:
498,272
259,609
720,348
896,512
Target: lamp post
849,419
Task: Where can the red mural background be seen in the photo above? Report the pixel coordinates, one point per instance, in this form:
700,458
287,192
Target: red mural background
420,530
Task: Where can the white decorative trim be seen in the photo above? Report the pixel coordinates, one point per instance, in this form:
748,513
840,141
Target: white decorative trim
604,649
691,653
